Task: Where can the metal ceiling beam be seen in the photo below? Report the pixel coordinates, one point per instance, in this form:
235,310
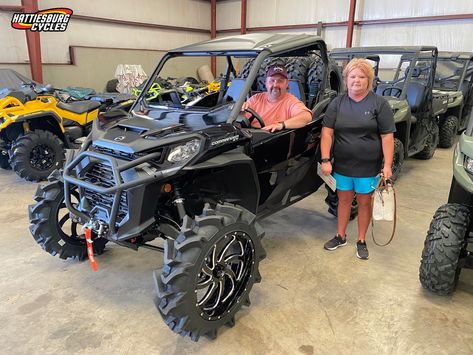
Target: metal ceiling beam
138,24
356,23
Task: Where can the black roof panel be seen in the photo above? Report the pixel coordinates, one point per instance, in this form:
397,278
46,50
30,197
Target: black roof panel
251,43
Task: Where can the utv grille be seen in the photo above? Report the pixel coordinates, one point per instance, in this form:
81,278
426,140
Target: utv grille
99,178
101,175
126,156
117,153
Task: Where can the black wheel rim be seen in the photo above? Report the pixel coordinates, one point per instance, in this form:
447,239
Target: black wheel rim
42,157
224,276
69,230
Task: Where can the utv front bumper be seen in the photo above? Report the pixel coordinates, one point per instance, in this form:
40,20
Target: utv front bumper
120,193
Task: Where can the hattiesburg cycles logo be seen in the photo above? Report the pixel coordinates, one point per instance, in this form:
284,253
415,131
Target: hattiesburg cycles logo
50,20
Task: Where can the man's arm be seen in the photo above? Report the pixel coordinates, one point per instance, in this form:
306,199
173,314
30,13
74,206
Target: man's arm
299,120
301,117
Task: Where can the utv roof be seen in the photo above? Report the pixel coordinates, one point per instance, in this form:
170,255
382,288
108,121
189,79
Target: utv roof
253,44
456,55
414,50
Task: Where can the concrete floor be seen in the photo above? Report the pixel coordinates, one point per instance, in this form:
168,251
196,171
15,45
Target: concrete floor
310,301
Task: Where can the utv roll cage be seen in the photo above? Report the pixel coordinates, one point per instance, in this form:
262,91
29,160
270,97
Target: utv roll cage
409,54
257,46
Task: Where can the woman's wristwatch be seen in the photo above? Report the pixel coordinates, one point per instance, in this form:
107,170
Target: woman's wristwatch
325,160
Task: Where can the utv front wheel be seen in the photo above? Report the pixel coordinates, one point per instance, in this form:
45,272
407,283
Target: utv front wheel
209,270
37,154
52,227
448,132
444,247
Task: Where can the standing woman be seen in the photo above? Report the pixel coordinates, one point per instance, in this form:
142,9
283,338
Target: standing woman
358,129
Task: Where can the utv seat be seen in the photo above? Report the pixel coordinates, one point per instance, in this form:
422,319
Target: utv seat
234,90
388,89
416,92
79,106
296,89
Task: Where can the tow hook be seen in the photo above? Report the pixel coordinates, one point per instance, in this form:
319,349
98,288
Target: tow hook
98,227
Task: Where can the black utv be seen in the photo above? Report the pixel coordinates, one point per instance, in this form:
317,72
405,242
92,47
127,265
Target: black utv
454,78
448,247
195,176
405,76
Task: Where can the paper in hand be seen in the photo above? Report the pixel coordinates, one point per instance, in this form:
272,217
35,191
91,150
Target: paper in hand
328,179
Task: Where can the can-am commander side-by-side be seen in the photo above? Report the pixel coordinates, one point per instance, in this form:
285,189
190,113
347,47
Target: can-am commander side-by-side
195,176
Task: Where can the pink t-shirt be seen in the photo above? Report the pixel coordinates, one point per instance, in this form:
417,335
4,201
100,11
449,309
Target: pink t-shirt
274,112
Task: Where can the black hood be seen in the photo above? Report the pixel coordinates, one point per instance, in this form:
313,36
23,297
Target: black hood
138,134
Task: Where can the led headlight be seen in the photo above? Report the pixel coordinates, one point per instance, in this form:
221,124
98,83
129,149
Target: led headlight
184,152
468,165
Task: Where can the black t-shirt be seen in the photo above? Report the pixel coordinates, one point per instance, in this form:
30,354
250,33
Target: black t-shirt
357,149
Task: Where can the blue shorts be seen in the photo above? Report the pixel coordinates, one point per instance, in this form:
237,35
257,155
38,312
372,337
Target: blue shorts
361,185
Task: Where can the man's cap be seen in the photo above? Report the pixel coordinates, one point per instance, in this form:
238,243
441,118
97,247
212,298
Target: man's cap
277,69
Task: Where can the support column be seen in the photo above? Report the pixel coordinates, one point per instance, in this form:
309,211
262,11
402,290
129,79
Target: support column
213,33
351,23
34,44
243,17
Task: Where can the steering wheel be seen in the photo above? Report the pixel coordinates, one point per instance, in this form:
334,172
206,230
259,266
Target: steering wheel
397,91
253,116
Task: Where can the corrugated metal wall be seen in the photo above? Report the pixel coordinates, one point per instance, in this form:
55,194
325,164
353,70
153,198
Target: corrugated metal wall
446,35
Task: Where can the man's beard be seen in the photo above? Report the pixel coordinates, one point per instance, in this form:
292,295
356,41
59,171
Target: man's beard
275,92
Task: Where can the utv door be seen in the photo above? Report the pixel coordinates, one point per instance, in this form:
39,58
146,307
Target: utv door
286,165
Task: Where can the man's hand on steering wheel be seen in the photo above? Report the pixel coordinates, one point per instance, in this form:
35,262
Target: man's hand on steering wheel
254,115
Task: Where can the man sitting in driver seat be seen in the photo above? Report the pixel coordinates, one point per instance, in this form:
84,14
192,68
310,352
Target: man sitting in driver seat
278,108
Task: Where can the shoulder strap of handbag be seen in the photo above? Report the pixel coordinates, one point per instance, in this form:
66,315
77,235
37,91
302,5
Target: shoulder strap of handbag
382,183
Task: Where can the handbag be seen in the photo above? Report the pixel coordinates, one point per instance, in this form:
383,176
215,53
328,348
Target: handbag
384,206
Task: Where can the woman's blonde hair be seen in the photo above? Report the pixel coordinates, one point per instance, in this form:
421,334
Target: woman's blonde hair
362,64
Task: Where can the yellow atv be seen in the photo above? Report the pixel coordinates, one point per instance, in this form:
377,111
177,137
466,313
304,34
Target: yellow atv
34,134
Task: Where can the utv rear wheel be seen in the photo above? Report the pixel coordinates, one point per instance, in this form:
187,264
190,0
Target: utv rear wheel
37,154
448,132
209,270
52,227
332,202
398,159
430,145
444,247
315,78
